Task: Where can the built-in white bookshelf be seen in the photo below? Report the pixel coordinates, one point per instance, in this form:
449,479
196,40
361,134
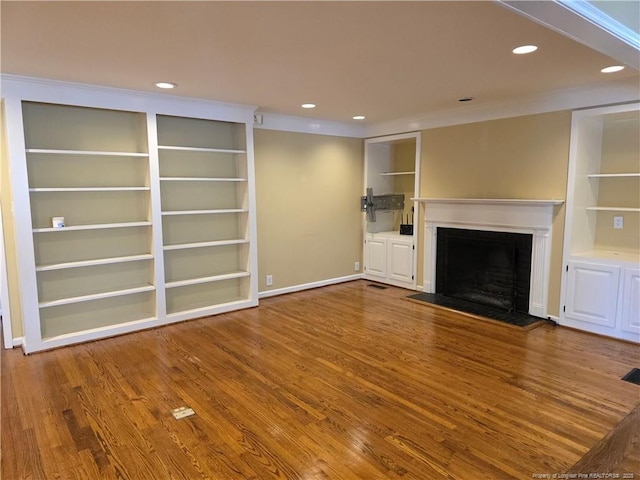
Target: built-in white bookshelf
89,166
205,210
392,167
604,181
158,208
601,272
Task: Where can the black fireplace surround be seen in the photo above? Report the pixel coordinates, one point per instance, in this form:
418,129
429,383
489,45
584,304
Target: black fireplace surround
484,267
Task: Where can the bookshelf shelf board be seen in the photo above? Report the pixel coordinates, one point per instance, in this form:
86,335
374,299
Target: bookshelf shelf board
614,209
96,296
213,278
217,243
101,226
200,149
90,263
203,212
89,189
389,174
86,152
613,175
202,179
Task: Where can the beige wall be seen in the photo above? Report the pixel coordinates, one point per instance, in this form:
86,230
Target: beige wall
523,157
308,190
9,237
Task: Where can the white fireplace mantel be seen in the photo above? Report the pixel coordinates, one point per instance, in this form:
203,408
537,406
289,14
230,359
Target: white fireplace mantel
534,217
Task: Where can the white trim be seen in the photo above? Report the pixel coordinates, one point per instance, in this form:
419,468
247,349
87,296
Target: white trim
393,138
79,94
492,201
250,203
52,91
290,123
108,331
155,214
196,313
21,208
17,342
583,23
308,286
621,91
7,328
554,318
612,26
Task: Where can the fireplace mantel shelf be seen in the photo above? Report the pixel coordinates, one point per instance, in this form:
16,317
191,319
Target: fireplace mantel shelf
491,201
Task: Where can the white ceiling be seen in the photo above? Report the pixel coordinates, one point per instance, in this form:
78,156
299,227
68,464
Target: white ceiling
385,60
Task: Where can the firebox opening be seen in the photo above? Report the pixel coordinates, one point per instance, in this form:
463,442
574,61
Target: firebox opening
484,267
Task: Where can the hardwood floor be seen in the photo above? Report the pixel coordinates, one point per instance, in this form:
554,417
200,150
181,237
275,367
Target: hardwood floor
342,382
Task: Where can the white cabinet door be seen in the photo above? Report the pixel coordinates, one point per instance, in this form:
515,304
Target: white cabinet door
376,257
400,264
592,293
631,302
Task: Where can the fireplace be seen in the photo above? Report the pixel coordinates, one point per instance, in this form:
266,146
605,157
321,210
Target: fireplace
532,218
489,268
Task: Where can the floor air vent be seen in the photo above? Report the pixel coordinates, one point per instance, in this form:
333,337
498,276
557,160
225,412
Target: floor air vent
633,376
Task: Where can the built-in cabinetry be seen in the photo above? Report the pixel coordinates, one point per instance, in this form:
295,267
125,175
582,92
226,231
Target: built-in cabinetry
205,207
601,290
603,296
89,167
392,167
158,213
389,257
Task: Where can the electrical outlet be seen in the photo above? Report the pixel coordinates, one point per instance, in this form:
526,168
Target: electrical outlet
618,222
269,280
356,266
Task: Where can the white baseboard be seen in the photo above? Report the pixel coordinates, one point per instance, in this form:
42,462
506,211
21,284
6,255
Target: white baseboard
308,286
554,318
17,342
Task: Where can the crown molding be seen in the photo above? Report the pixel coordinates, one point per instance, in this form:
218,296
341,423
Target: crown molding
81,94
45,90
291,123
622,91
587,10
584,23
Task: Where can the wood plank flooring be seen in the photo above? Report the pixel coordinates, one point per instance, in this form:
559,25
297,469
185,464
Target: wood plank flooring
342,382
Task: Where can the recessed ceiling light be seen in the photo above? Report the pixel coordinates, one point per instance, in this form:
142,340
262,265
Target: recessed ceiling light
308,105
524,49
465,99
166,85
358,117
612,69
